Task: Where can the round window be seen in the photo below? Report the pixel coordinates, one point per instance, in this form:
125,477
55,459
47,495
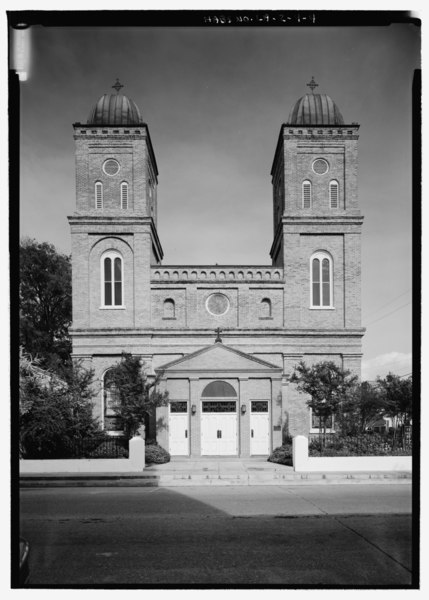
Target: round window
111,167
217,304
320,166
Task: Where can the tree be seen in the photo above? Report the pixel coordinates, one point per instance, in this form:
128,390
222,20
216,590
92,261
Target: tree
45,303
136,395
397,397
362,407
328,387
54,413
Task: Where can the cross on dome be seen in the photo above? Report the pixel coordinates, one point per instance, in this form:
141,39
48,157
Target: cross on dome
117,86
218,338
312,85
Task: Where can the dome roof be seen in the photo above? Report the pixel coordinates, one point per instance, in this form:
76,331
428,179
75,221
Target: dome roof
115,109
315,109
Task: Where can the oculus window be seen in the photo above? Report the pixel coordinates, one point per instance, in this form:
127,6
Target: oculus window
111,167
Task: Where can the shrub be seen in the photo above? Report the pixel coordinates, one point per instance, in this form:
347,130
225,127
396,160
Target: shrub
368,444
282,455
156,454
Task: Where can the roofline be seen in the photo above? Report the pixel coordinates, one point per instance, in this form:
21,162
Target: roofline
78,124
205,349
328,126
182,266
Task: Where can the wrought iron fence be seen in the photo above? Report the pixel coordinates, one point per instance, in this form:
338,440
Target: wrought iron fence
97,447
368,444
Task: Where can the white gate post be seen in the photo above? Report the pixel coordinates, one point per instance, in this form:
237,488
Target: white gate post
300,452
137,452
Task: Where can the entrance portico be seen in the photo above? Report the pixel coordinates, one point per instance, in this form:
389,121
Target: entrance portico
230,404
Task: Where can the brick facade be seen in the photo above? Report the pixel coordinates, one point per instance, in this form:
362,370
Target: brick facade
266,317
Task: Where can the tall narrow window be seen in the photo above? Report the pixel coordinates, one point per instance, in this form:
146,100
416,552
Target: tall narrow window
124,195
333,194
112,280
98,195
306,194
321,280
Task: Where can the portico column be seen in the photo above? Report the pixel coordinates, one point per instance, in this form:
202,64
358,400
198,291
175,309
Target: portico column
195,425
244,420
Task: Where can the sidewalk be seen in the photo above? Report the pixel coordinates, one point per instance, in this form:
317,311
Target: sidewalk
214,472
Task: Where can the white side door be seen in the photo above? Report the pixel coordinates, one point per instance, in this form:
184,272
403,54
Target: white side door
259,427
179,429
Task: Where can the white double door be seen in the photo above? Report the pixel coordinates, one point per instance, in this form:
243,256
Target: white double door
218,434
179,434
259,433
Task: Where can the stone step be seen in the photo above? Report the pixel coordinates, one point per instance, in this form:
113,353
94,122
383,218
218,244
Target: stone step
198,478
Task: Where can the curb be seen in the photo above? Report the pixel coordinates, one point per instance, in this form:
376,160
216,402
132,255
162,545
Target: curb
199,479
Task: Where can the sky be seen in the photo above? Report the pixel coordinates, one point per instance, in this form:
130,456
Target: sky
214,100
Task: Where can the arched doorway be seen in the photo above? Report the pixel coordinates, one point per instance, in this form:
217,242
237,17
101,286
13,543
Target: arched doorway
219,421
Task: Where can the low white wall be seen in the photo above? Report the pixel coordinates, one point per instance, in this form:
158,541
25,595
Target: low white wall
135,462
303,462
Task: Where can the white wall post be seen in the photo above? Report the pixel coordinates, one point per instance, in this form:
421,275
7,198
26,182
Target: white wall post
299,452
137,453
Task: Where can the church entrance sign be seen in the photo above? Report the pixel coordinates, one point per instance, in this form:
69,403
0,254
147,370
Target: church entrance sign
259,427
219,428
179,429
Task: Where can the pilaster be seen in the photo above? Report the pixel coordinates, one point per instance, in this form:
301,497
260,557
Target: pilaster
244,419
194,385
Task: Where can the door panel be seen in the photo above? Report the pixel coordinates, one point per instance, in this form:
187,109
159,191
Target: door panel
179,435
218,434
259,433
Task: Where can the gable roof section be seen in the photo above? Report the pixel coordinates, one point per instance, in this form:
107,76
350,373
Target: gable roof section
219,357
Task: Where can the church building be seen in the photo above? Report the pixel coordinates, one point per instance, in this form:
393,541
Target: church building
223,339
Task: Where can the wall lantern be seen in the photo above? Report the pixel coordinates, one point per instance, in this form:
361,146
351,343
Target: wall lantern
243,409
193,409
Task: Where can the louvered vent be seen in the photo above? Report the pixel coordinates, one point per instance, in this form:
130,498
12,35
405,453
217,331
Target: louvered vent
333,194
124,195
306,194
98,195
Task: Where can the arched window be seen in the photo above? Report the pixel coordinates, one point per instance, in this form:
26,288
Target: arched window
219,396
111,422
265,311
112,293
219,389
169,309
98,195
124,195
333,194
306,194
321,280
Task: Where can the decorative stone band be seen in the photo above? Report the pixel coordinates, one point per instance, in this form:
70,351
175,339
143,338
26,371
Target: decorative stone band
244,274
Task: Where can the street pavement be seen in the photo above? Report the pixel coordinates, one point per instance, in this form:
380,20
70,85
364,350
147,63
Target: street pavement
338,535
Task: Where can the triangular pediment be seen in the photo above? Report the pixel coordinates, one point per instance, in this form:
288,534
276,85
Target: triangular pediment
219,357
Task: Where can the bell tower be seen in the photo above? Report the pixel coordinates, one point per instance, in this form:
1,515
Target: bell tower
114,227
317,221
